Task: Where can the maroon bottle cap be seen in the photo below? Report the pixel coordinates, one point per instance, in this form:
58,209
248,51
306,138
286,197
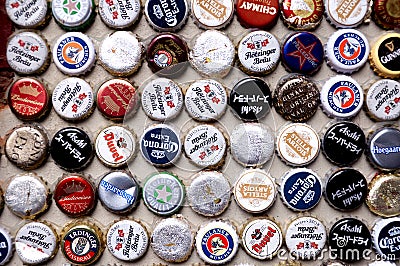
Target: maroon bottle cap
386,13
166,50
257,13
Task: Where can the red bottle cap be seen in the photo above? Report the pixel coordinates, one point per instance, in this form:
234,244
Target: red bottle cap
28,99
75,195
257,13
117,98
386,13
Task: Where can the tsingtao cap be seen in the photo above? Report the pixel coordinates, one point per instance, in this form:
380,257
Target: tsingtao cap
28,99
212,54
385,56
302,52
27,146
115,146
71,149
383,148
118,191
296,98
163,193
215,14
74,53
258,53
347,50
127,240
119,14
7,247
169,15
386,14
341,97
33,203
27,14
226,244
302,15
346,189
383,100
162,99
73,99
305,237
343,143
73,15
75,195
385,234
36,243
264,16
383,191
117,98
250,99
347,14
297,144
301,189
209,193
28,53
121,53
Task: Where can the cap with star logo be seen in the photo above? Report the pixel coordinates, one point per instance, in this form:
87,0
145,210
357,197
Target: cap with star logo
74,15
302,52
163,193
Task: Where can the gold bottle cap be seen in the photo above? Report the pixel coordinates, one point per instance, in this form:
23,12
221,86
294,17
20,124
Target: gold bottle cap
385,56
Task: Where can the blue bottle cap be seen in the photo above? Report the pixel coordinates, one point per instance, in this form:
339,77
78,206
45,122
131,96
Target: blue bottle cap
168,15
6,247
301,189
302,52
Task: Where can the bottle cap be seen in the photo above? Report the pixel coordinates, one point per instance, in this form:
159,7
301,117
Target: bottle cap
252,144
116,99
73,99
347,50
27,14
115,146
215,14
206,100
301,189
343,143
71,149
385,233
205,146
172,239
346,189
341,97
217,242
121,53
297,144
82,242
349,234
28,53
119,14
250,99
162,99
255,191
170,15
209,193
27,146
160,145
75,195
347,14
302,52
296,98
74,15
127,240
383,100
257,14
36,243
382,195
212,54
118,191
383,151
7,247
302,15
166,52
305,237
258,53
32,204
163,193
385,56
386,14
28,99
74,53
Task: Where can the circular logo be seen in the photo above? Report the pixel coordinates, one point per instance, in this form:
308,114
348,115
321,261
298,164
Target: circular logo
163,58
344,97
217,246
81,245
73,52
350,48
